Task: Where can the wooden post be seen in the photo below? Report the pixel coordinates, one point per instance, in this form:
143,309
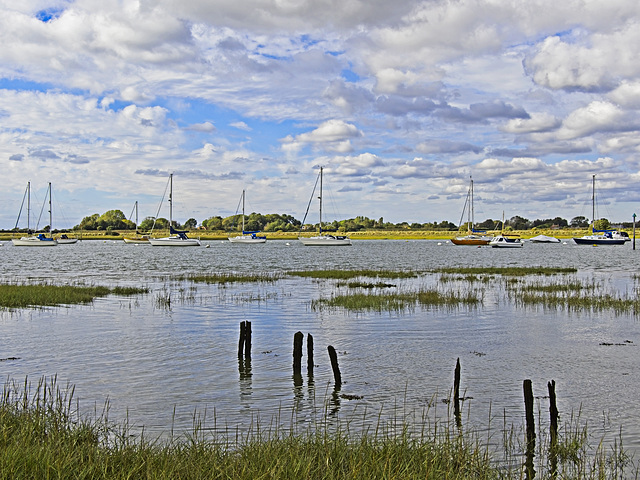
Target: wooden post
456,393
334,366
531,430
247,339
553,412
528,407
297,353
242,339
309,354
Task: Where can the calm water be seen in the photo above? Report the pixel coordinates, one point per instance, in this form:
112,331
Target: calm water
148,360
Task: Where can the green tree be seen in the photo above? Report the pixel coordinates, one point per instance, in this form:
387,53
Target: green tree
213,223
88,223
602,224
191,224
146,224
579,222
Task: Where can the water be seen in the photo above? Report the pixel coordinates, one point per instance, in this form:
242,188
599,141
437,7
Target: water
157,365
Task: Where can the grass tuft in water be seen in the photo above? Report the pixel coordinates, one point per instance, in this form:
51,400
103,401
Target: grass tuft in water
395,302
224,278
34,295
347,274
507,271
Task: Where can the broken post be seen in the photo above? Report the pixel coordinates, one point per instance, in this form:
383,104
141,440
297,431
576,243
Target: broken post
334,366
309,354
297,353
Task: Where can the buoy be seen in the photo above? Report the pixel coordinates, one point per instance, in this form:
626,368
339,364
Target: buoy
207,246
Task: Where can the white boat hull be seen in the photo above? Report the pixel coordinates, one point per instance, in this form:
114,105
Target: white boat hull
174,241
66,241
33,242
247,239
504,242
325,240
544,239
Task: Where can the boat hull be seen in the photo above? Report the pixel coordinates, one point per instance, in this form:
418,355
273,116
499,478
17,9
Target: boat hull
33,242
599,240
174,242
66,241
140,241
504,242
470,241
247,239
325,241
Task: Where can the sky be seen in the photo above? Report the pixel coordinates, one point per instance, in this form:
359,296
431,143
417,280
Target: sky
401,102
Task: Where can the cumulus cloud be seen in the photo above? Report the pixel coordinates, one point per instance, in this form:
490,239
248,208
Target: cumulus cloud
201,127
332,135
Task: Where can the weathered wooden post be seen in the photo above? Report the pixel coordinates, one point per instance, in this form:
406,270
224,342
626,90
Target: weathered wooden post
553,412
531,429
456,393
247,339
242,339
334,366
297,353
309,355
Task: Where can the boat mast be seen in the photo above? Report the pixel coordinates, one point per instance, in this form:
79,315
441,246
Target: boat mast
136,205
28,208
50,213
170,201
471,209
593,202
320,197
243,212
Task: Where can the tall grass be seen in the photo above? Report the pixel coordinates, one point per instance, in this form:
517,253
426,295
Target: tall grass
14,296
396,302
43,435
224,278
507,271
348,274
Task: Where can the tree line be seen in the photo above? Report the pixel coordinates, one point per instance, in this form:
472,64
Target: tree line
114,220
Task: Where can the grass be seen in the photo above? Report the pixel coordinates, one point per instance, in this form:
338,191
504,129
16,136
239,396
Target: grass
395,302
348,274
507,271
224,278
43,435
14,296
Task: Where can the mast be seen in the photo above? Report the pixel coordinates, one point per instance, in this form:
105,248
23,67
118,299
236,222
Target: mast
593,202
50,214
28,208
320,197
136,205
243,212
170,201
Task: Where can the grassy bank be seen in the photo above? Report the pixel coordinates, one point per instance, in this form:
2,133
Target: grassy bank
39,295
42,435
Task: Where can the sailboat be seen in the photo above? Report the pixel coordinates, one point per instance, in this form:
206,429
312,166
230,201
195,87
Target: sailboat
39,240
322,239
505,240
600,237
473,237
247,237
176,238
138,239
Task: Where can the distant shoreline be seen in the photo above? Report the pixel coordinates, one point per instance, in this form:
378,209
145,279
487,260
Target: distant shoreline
359,235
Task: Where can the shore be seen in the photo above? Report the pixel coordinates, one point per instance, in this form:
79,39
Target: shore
359,235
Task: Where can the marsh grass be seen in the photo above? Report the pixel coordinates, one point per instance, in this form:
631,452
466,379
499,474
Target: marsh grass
573,295
397,302
366,285
507,271
13,296
224,278
43,435
348,274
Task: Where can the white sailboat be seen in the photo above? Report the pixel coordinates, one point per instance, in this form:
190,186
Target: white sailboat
138,239
600,237
505,240
176,238
473,237
39,240
323,239
247,237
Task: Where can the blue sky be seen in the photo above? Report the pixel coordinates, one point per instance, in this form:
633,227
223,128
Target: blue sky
401,102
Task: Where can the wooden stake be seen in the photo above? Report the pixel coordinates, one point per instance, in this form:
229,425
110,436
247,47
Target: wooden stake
334,366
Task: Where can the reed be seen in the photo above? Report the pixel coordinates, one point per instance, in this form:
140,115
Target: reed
14,296
348,274
396,302
223,278
507,271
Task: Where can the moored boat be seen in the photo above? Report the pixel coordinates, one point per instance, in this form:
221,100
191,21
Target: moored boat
544,239
322,239
473,236
39,240
247,237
